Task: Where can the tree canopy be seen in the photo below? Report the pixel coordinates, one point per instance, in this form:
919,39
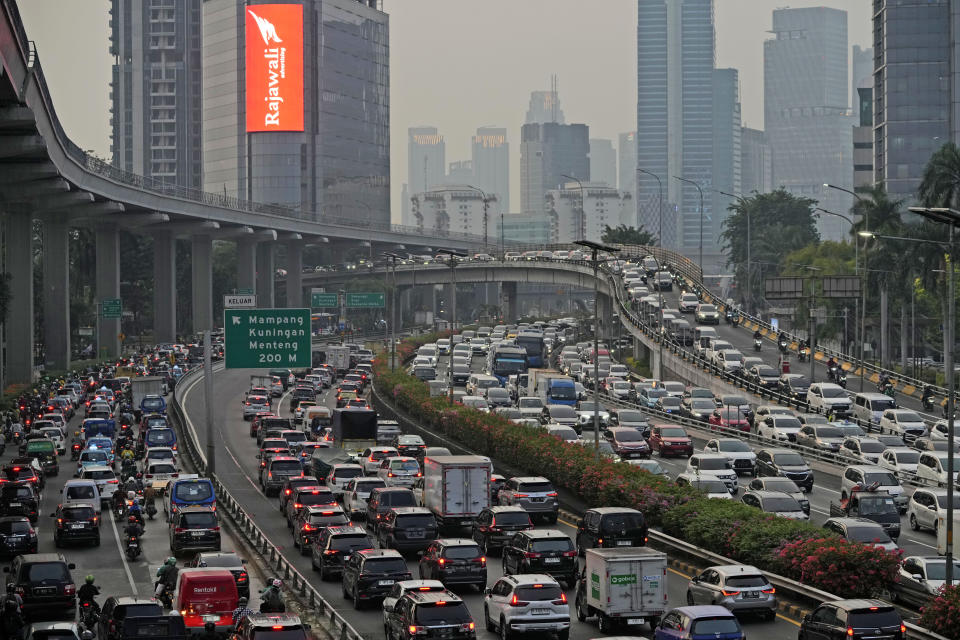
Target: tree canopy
622,234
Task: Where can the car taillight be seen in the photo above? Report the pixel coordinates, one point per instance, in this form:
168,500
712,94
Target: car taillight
114,481
770,590
179,530
149,475
482,560
308,527
69,589
60,523
243,577
514,602
552,494
850,631
287,492
467,626
562,600
730,593
569,554
216,529
521,495
531,554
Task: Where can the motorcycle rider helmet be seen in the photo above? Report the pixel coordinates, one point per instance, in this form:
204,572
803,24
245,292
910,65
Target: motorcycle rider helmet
276,583
139,475
86,634
241,602
131,495
88,579
171,561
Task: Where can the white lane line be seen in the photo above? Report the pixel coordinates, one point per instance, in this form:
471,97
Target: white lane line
123,560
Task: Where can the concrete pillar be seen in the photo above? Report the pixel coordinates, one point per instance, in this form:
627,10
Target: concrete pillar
202,279
266,272
509,305
56,293
295,274
246,264
19,324
605,313
164,286
108,286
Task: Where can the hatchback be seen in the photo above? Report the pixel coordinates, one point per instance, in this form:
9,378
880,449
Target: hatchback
699,622
738,588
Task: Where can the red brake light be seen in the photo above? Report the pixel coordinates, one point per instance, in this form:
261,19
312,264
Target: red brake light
287,492
442,561
514,602
903,628
850,631
729,593
277,627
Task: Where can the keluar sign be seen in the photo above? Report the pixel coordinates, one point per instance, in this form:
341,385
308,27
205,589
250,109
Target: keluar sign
274,65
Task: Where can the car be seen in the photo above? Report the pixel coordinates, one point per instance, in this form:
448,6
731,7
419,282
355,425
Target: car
794,385
194,529
729,418
763,375
454,561
784,463
291,485
310,520
670,440
866,450
408,444
340,474
857,619
76,522
263,626
927,507
19,499
602,527
778,427
399,471
650,466
714,464
407,529
106,479
775,502
535,494
823,437
860,530
45,585
920,579
116,609
738,452
904,423
17,536
369,574
541,551
225,560
560,414
765,410
382,500
739,588
276,470
495,525
698,622
781,485
334,545
387,431
400,588
627,442
526,604
901,461
648,396
707,314
357,492
530,406
829,399
870,476
309,496
729,360
701,409
438,614
254,404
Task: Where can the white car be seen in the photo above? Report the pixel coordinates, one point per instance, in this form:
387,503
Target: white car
901,461
904,423
160,472
161,454
254,405
827,397
730,360
716,465
341,474
740,455
619,389
372,457
106,479
932,468
585,411
707,314
399,471
526,603
565,433
777,427
711,485
926,506
863,449
530,406
356,493
940,430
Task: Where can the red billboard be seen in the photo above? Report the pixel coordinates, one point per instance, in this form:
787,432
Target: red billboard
274,43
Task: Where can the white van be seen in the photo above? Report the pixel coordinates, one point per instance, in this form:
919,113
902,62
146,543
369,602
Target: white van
870,406
81,491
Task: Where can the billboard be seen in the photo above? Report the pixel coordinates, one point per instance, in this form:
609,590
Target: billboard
274,64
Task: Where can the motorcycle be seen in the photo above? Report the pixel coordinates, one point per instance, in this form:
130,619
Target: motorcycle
133,548
927,403
885,387
729,316
165,596
757,343
89,613
150,509
75,451
272,603
842,379
783,345
832,372
802,354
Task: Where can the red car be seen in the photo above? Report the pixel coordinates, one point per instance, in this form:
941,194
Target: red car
731,418
627,442
670,440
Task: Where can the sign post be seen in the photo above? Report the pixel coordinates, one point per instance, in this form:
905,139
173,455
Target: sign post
365,300
111,308
258,338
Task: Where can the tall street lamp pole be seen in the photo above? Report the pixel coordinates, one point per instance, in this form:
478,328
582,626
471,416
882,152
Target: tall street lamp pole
701,217
596,249
583,213
659,372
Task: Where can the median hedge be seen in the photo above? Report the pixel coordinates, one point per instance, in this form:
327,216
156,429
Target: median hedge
725,527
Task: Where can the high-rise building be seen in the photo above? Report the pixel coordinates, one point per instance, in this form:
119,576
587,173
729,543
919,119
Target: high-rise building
460,172
675,61
916,88
806,109
544,107
727,168
491,163
603,161
155,90
627,156
456,209
861,63
316,138
602,205
547,152
426,159
863,140
528,228
756,162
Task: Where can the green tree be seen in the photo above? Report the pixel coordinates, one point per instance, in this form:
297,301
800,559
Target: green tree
779,223
940,184
824,258
623,234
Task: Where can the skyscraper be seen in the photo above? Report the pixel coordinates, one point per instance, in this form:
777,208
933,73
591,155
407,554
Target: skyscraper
675,61
545,106
756,162
806,108
491,163
627,165
460,172
916,88
861,62
426,159
726,149
547,151
603,162
155,90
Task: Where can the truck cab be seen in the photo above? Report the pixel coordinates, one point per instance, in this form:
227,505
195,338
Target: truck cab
878,506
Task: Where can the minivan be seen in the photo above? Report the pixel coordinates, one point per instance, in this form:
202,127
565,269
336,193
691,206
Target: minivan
870,406
206,595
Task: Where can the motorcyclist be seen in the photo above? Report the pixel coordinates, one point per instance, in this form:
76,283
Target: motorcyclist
135,511
831,365
127,454
118,500
133,529
167,576
271,600
13,622
927,398
241,612
88,592
757,335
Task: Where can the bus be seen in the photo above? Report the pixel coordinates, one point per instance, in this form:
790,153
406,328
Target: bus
532,342
506,360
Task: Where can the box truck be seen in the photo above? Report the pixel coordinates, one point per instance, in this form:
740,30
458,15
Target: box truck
623,587
456,488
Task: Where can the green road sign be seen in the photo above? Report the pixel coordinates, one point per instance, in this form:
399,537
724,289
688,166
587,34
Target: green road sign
320,300
245,291
256,338
365,300
111,308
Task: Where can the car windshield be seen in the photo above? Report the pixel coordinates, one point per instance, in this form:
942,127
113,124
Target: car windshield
160,436
295,436
631,416
874,447
99,474
707,307
562,411
405,465
780,484
285,466
908,416
731,355
589,406
351,542
781,504
415,520
871,619
733,446
714,464
882,404
44,571
830,392
78,513
552,544
327,518
670,401
629,436
449,613
385,565
868,534
93,456
345,472
200,520
152,404
715,626
193,491
829,432
614,523
536,487
673,432
786,422
884,478
937,569
942,501
80,492
709,486
221,561
702,405
789,459
907,457
766,372
655,393
511,518
876,506
530,403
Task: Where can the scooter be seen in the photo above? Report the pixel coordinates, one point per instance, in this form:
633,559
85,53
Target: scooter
757,343
75,451
927,403
886,388
842,379
783,345
133,548
802,354
150,509
89,613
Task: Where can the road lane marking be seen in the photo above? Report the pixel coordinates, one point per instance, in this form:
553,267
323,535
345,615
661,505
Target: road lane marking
123,560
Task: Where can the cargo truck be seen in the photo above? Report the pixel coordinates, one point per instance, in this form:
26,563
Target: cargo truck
354,429
456,488
942,535
146,386
338,356
622,587
552,387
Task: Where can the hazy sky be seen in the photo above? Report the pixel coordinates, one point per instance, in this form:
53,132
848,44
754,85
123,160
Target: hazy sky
455,64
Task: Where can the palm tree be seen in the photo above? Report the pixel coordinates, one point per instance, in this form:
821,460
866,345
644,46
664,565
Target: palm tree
940,186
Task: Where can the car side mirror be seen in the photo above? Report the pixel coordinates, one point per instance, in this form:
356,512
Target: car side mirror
806,618
71,566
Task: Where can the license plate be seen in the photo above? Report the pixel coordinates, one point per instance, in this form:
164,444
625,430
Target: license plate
541,612
45,591
16,504
385,583
536,499
551,560
211,618
747,595
76,526
196,534
635,621
624,543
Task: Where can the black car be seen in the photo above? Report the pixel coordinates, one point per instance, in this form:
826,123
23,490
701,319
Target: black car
17,536
117,609
370,573
794,385
334,545
461,373
495,526
195,529
381,500
304,497
407,529
76,522
541,551
225,560
611,527
763,375
430,614
264,626
784,463
311,520
293,484
409,445
18,499
454,561
44,582
21,470
857,619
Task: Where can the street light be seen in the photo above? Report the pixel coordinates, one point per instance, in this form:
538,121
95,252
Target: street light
596,249
583,213
393,308
452,263
701,216
746,210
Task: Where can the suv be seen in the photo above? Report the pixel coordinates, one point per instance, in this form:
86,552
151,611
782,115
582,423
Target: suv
541,551
44,582
260,626
310,520
314,496
116,609
278,470
407,529
429,614
738,588
611,527
855,619
194,528
526,603
494,526
383,499
534,493
334,545
291,485
18,499
225,560
454,561
76,522
786,464
370,573
17,536
869,475
826,397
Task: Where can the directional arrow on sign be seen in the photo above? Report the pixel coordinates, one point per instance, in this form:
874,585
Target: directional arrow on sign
236,320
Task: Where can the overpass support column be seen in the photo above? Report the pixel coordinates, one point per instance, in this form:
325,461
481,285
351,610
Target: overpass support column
246,264
19,324
56,293
266,272
108,286
403,305
605,313
164,286
508,291
294,274
202,279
